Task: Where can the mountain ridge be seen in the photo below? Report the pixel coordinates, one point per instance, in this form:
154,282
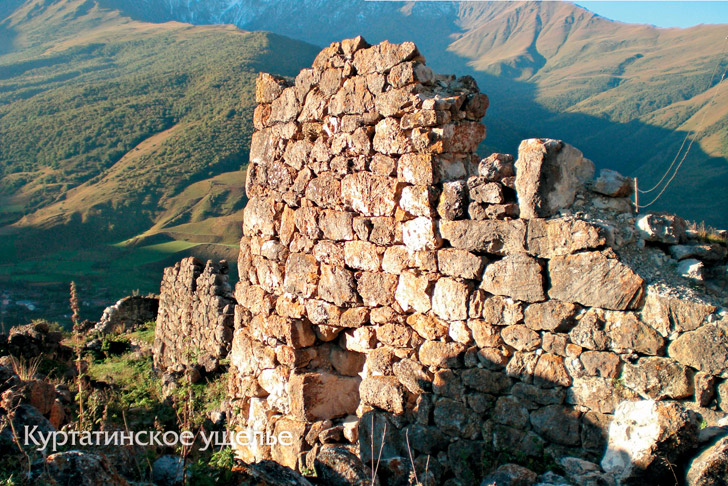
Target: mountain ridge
99,83
558,69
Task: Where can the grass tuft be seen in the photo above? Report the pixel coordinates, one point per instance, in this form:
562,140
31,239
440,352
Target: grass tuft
26,369
708,234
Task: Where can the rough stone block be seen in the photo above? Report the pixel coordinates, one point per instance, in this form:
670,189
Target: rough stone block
550,372
412,376
336,225
369,194
361,340
363,255
517,276
384,392
551,316
495,167
396,259
269,87
337,285
441,355
598,363
669,315
589,333
484,192
453,200
558,237
259,217
324,191
302,275
321,396
486,381
296,333
421,234
502,311
557,423
377,289
418,200
627,334
450,299
646,438
593,279
418,169
662,228
495,237
427,326
658,378
322,313
613,184
413,292
705,349
548,175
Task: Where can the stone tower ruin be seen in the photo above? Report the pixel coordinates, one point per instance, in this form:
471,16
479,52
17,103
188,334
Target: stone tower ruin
395,285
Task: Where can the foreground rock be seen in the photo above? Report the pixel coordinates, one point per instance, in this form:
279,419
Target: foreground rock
710,467
78,468
268,473
169,471
705,349
662,228
646,438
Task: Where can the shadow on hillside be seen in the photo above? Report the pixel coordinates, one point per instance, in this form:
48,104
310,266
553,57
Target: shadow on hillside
7,39
633,148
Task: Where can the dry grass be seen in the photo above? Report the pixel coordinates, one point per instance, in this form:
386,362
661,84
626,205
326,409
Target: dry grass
707,233
26,369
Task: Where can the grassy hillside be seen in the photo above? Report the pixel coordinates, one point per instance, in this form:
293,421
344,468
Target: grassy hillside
123,132
120,132
627,95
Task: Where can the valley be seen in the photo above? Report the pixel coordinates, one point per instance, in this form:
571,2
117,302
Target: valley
125,129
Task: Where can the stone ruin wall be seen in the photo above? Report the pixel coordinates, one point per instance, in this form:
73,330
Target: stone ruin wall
392,280
195,318
127,314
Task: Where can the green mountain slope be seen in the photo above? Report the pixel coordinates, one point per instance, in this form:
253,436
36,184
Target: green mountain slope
115,130
627,95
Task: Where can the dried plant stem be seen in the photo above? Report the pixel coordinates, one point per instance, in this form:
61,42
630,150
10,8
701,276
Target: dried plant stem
409,452
75,318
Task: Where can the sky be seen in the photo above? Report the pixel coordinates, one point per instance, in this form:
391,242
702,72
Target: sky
662,13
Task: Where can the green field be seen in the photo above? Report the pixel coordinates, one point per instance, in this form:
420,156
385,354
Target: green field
103,274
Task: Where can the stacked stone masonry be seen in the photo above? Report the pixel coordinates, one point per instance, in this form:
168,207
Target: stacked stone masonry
395,285
195,318
128,314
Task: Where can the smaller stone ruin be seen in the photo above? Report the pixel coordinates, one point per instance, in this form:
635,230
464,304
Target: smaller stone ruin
195,320
128,314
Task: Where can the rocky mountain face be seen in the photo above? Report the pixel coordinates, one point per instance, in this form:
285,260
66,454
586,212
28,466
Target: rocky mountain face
554,69
402,298
296,18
